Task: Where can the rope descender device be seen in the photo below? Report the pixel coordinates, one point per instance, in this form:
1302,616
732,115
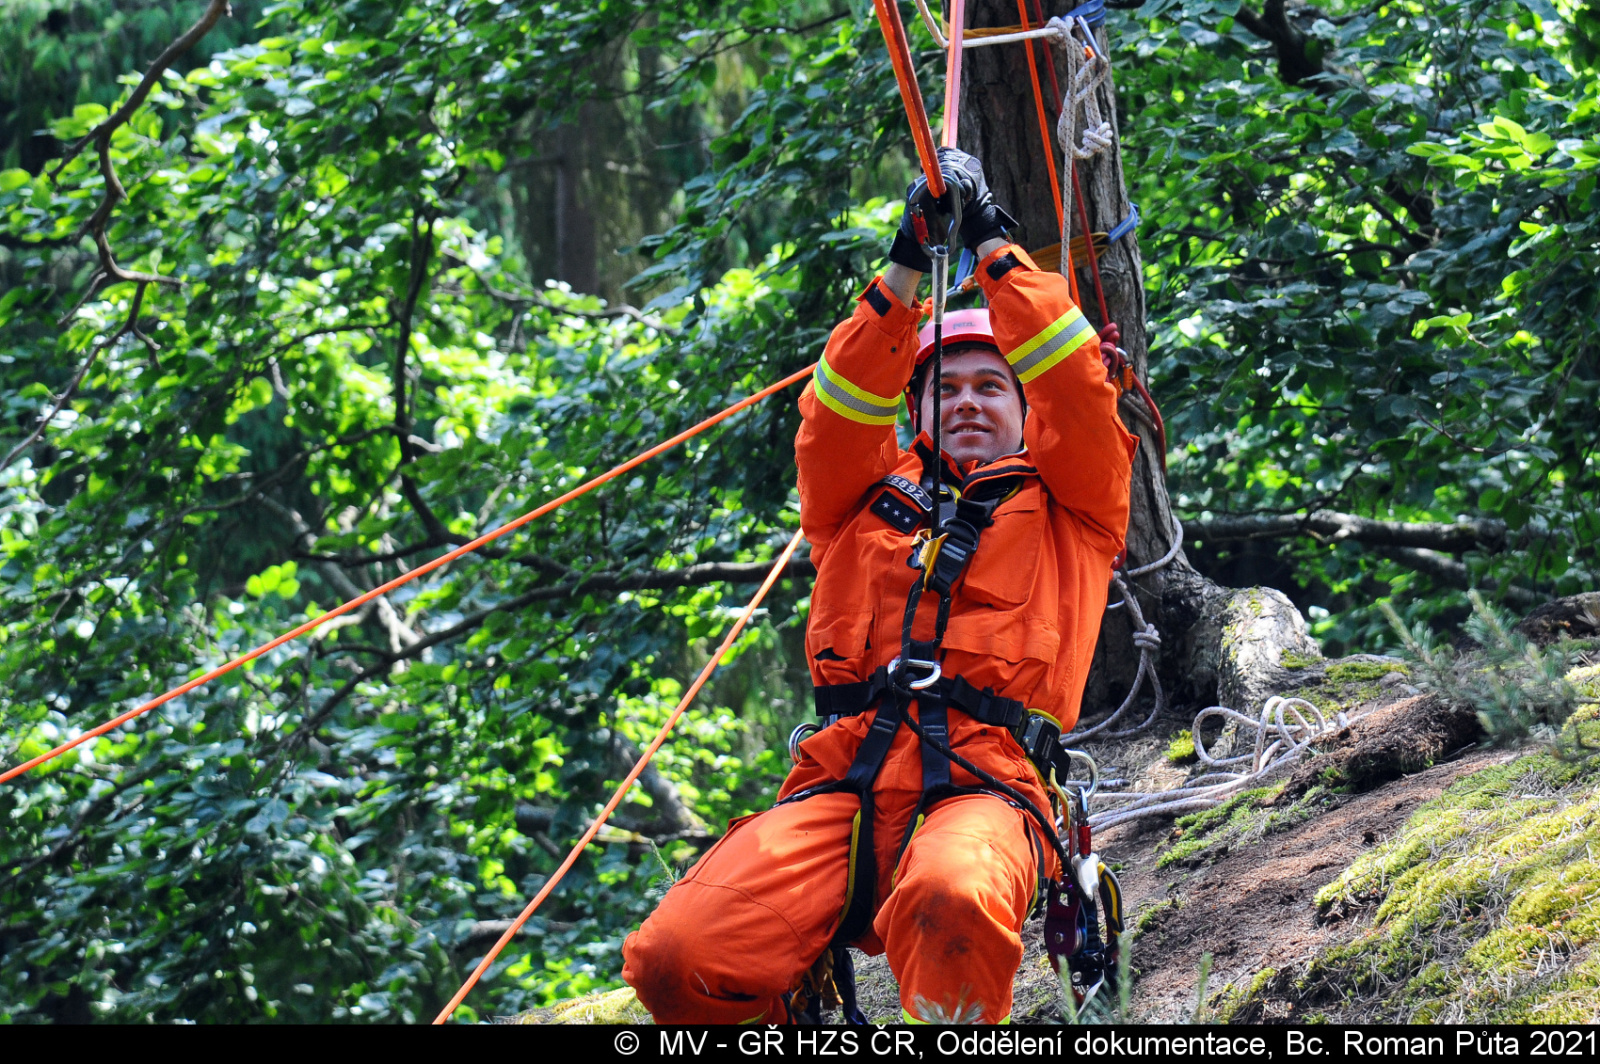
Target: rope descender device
1075,903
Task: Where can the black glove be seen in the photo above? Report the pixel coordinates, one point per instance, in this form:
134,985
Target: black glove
981,218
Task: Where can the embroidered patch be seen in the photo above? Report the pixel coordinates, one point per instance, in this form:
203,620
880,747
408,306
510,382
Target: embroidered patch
897,512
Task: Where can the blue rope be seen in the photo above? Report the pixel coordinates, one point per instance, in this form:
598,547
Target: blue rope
964,267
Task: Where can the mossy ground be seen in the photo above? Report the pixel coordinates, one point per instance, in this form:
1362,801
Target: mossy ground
1491,896
1485,907
1245,818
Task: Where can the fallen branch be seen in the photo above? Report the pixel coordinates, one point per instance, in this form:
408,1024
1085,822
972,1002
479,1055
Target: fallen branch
1448,570
1463,535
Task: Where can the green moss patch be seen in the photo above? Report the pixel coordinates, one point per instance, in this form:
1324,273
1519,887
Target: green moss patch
1181,750
1245,818
1487,904
1347,672
605,1007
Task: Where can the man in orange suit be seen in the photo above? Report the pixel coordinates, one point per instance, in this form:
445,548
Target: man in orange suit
957,603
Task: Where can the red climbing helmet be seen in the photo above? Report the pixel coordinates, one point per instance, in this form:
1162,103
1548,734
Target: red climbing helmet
960,327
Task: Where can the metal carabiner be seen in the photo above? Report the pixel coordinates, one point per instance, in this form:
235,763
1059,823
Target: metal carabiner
1094,774
1082,24
928,681
798,736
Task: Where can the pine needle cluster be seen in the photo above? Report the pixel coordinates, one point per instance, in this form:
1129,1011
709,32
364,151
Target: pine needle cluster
1517,688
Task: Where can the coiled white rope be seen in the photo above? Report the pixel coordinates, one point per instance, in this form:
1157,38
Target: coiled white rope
1283,731
1087,69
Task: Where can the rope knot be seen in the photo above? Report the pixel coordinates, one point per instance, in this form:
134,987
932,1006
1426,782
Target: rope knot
1147,639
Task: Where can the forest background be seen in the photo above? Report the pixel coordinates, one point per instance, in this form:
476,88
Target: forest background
411,239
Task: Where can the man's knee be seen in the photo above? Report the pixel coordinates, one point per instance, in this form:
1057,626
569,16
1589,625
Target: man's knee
687,970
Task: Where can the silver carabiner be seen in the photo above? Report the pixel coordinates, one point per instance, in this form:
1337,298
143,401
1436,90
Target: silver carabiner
1083,27
928,681
798,736
1094,773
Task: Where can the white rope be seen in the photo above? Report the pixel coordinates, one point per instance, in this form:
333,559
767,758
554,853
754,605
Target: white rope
1085,75
933,27
1284,729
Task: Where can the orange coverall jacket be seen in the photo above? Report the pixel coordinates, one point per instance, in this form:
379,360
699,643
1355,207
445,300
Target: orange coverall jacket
1026,615
743,925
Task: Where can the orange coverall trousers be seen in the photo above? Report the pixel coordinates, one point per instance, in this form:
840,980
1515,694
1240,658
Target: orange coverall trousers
746,922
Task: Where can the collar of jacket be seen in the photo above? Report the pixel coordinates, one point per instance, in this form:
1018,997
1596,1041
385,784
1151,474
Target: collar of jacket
1007,465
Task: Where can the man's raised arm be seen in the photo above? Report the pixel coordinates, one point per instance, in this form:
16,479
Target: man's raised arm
1084,454
846,441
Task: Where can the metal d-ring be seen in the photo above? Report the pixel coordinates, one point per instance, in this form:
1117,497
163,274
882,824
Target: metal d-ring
798,736
927,681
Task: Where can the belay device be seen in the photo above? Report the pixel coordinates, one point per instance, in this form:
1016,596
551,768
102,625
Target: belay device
1072,916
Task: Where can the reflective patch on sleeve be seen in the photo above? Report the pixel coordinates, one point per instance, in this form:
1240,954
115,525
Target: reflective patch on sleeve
1058,340
847,400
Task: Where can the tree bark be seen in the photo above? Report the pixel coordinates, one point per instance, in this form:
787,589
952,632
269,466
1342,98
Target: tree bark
999,125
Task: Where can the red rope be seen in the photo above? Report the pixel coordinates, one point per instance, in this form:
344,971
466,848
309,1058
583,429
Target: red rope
1088,243
1049,148
427,567
622,789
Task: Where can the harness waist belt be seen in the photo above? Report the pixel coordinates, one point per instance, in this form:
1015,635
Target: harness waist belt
982,705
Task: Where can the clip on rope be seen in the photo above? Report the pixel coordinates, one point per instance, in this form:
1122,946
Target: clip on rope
628,781
427,567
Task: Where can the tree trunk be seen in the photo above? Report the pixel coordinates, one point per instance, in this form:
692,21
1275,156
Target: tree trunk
1194,615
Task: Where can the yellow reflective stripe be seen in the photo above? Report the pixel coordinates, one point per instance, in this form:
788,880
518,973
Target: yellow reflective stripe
848,400
1058,340
850,875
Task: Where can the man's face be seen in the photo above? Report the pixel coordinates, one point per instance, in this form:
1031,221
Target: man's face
981,405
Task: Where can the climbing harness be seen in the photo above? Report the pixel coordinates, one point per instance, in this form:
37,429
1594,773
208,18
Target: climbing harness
954,513
622,789
427,567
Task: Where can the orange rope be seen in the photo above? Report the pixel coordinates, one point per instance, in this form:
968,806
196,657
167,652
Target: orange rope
622,789
1049,149
894,36
427,567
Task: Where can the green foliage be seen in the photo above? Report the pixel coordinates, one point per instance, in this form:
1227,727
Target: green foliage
353,379
1372,289
1515,687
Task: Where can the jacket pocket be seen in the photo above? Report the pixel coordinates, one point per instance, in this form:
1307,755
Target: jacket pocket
1005,565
